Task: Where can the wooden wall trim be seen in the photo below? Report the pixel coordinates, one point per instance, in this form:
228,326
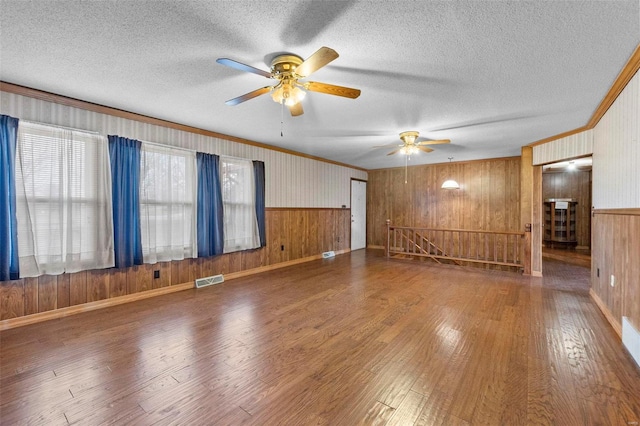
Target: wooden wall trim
89,106
617,327
625,212
559,136
114,301
91,306
621,81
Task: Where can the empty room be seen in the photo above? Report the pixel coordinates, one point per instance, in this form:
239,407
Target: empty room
319,212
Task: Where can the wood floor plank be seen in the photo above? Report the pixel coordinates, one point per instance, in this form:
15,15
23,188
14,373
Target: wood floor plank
357,340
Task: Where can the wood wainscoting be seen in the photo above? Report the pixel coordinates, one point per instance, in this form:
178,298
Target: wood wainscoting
292,234
488,198
616,252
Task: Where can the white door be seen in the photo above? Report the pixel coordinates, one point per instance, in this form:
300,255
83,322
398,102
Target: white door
358,214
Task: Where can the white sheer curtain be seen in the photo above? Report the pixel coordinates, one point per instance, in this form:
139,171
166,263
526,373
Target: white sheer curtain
238,198
63,186
167,203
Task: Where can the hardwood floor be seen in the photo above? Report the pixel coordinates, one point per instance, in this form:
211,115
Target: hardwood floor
358,339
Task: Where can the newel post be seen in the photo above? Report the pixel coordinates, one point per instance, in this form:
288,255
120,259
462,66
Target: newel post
527,249
386,249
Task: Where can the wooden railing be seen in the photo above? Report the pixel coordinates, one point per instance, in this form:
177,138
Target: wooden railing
461,245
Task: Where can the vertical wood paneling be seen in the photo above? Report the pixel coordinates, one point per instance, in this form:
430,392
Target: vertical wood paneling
487,199
118,282
47,293
78,288
616,252
63,291
576,185
30,296
98,282
12,299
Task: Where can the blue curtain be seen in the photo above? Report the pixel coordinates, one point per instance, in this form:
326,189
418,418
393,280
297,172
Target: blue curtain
9,269
210,222
124,155
258,172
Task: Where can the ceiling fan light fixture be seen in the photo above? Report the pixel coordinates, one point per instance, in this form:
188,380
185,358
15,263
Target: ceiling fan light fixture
288,94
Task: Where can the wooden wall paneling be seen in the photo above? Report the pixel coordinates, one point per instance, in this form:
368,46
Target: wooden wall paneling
299,232
47,293
165,274
97,285
31,296
329,226
488,198
312,232
63,291
181,271
252,259
222,264
631,282
78,288
277,235
345,236
118,282
235,261
615,252
11,299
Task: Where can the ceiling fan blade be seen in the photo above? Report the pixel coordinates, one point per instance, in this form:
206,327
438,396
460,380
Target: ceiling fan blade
330,89
394,151
250,95
425,149
243,67
296,109
319,59
438,142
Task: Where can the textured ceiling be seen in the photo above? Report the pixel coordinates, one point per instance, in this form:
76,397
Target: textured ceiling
491,76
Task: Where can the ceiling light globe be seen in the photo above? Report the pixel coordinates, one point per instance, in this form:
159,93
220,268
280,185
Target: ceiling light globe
450,184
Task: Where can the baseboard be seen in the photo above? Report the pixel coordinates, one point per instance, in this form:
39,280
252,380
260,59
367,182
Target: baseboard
90,306
617,326
114,301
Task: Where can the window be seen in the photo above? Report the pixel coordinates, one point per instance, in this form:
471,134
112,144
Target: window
238,199
63,197
167,203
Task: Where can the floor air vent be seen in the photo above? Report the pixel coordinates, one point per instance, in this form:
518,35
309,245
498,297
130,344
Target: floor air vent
204,282
328,254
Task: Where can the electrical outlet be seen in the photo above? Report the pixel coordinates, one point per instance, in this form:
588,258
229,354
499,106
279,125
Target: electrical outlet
612,280
156,274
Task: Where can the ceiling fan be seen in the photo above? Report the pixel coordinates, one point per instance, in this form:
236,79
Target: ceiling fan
288,69
410,146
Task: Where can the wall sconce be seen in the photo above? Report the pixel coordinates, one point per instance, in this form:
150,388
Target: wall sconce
450,183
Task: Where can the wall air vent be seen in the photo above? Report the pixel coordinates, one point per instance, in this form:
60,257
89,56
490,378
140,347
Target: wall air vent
328,254
207,281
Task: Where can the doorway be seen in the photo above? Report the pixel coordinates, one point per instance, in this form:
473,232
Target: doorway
566,193
358,214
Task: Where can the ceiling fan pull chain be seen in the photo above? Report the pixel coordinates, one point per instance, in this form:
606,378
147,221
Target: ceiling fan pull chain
282,119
